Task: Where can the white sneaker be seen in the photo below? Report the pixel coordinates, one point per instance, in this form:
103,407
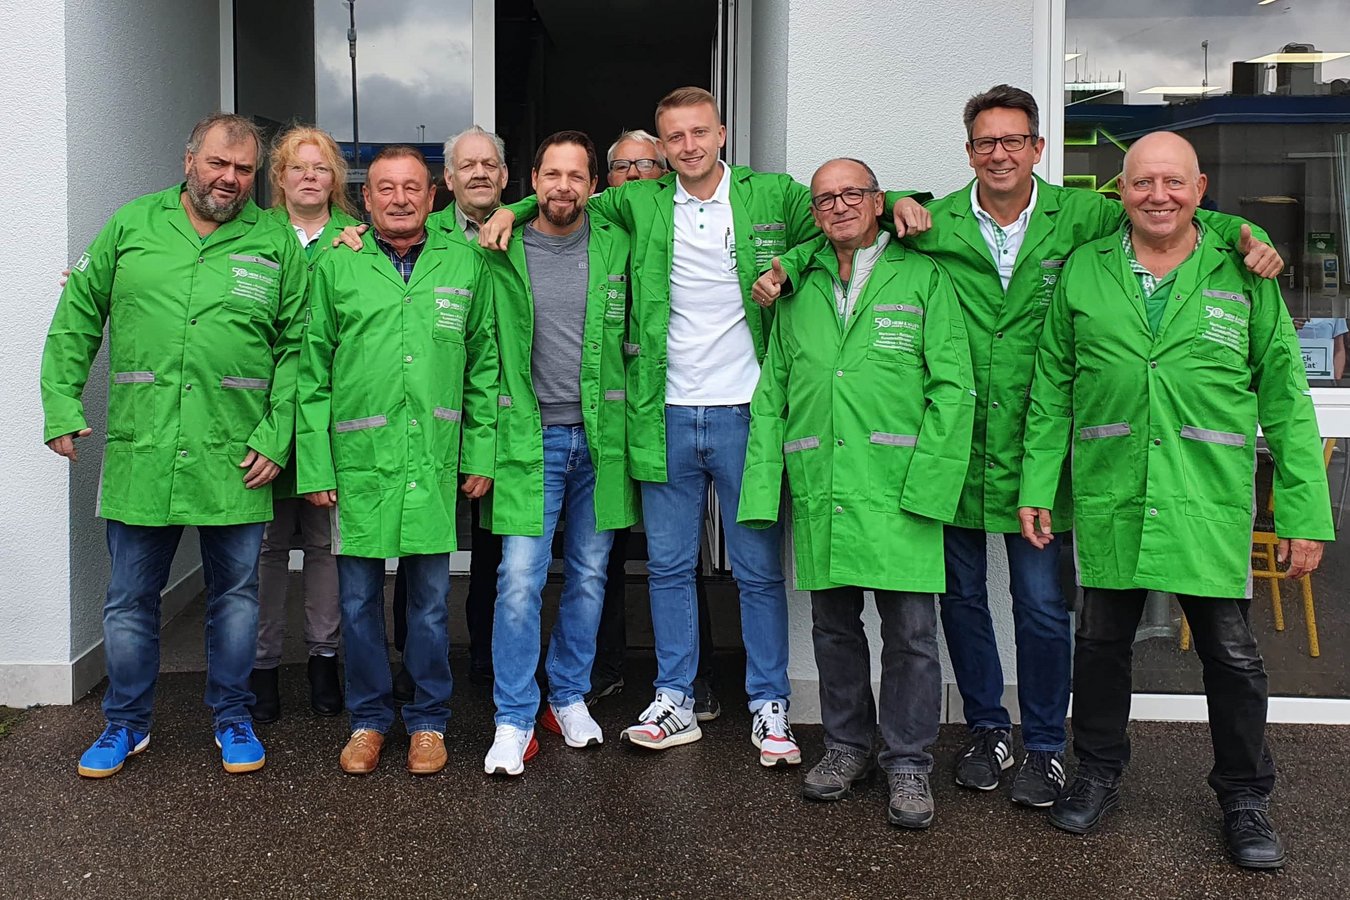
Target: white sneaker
663,725
574,723
511,746
771,733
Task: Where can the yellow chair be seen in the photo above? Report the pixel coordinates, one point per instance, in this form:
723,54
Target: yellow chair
1264,546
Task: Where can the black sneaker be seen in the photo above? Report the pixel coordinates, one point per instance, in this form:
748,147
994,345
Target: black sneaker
1040,781
983,759
835,775
266,706
404,686
325,687
605,689
911,803
1251,840
1081,808
706,707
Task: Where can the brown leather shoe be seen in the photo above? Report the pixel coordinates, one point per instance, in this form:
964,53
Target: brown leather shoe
426,755
362,753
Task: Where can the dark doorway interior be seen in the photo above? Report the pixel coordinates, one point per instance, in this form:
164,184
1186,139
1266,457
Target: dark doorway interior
599,66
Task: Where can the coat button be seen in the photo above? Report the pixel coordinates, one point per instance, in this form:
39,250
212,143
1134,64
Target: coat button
1157,442
999,335
1153,511
182,453
838,509
192,322
994,404
412,422
990,464
187,387
411,485
407,359
200,260
1153,364
407,299
840,373
839,443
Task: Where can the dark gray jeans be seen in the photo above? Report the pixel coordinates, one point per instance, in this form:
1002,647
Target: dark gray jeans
911,676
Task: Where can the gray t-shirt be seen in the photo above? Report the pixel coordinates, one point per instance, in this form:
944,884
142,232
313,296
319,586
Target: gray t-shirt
559,275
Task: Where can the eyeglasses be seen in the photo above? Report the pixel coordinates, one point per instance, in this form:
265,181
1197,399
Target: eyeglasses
304,169
1011,142
620,166
850,196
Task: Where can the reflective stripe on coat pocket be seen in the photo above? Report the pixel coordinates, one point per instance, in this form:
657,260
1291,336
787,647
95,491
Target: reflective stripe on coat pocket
246,384
894,440
806,443
449,415
615,395
360,424
133,378
1228,295
1209,436
898,307
244,257
1093,432
459,292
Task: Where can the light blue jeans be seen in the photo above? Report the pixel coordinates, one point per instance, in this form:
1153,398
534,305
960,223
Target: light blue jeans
707,444
569,489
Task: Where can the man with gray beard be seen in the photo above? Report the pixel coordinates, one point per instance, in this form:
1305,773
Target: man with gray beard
204,301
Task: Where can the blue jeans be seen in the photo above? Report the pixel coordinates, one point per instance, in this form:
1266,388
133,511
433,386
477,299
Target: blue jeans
1040,626
141,556
569,484
370,695
707,444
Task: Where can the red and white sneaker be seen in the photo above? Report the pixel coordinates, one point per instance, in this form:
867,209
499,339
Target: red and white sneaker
574,723
771,733
663,725
511,748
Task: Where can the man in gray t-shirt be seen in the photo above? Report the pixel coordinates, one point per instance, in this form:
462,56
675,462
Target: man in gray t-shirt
561,298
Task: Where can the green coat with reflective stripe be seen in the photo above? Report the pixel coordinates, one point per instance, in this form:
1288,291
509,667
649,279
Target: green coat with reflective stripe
771,213
203,344
871,421
1161,431
516,504
398,394
284,485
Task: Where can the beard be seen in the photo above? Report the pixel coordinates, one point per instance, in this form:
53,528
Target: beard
207,206
560,218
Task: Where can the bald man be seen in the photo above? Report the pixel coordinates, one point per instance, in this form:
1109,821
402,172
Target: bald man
1160,357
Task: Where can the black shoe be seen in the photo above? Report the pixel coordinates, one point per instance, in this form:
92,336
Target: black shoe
266,706
1040,781
404,686
1081,807
706,707
325,690
1251,840
983,759
607,687
480,673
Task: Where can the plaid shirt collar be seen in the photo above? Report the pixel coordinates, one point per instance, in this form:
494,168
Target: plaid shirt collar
405,262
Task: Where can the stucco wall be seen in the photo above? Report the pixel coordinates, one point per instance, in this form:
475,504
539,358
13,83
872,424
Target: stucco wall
884,82
33,537
138,76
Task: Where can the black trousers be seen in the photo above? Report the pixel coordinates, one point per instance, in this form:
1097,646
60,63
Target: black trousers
478,605
612,641
1235,686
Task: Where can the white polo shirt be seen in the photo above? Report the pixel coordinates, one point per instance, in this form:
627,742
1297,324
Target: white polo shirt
710,353
1004,242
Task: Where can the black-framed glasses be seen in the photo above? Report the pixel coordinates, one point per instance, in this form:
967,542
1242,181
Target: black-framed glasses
620,166
1011,142
850,196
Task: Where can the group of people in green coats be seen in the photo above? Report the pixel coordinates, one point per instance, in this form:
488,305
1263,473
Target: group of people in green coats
904,375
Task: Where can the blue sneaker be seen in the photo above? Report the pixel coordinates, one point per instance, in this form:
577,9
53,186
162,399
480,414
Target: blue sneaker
240,749
111,750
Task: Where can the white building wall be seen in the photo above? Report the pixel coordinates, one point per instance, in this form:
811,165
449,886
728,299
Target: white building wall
97,100
886,82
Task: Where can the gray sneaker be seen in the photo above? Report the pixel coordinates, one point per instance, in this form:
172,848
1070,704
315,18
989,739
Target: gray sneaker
911,801
835,775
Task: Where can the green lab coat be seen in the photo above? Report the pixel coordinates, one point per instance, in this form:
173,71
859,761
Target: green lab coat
771,213
516,504
284,485
394,377
1161,431
204,338
871,419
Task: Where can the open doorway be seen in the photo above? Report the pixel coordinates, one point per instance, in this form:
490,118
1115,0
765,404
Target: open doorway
598,66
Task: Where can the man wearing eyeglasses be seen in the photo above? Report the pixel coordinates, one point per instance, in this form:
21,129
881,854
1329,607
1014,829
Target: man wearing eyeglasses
1003,240
636,155
867,401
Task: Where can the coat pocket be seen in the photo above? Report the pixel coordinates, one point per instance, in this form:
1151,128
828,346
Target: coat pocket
897,333
254,285
131,406
1221,331
888,458
451,314
1219,472
357,454
804,465
1097,449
